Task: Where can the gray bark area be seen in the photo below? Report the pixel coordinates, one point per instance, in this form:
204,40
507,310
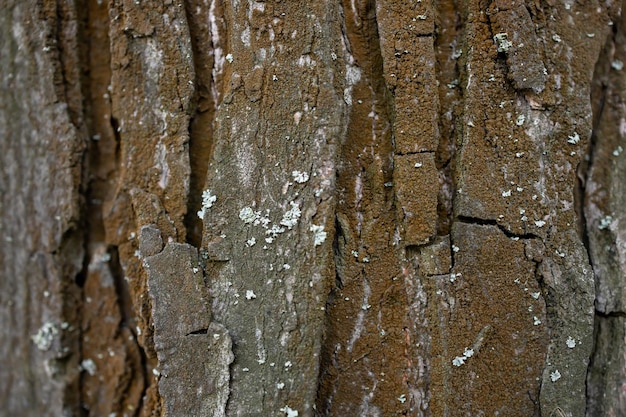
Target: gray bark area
276,141
184,330
332,208
42,252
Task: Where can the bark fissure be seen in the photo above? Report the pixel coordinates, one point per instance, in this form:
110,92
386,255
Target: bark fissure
105,289
493,222
199,18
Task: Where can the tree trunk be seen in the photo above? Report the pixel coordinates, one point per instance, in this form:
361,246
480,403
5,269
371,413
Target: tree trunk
330,208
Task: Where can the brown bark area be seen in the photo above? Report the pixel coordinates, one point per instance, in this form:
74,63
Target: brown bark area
368,207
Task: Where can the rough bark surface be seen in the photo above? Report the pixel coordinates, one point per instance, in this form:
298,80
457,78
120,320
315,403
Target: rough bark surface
365,207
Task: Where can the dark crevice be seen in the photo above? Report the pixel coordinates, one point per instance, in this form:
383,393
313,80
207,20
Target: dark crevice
203,110
447,44
491,222
115,126
598,98
337,252
81,277
414,153
124,299
79,114
413,249
199,331
610,314
477,220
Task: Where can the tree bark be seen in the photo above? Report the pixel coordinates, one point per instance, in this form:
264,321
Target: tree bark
329,208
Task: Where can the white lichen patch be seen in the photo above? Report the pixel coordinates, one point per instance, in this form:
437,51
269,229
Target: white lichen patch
573,139
460,360
207,202
255,218
273,232
353,76
319,235
555,376
247,215
300,177
289,412
605,222
297,116
570,342
89,366
291,216
45,335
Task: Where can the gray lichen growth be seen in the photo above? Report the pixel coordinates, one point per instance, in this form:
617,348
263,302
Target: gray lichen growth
45,336
502,41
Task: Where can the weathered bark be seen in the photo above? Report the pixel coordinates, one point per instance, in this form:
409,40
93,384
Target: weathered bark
371,207
605,197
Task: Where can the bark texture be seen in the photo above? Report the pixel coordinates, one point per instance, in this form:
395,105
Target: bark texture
331,208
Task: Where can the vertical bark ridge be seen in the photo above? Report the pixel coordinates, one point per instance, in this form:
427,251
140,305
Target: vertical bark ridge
523,183
408,47
151,90
268,235
602,204
114,368
363,357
